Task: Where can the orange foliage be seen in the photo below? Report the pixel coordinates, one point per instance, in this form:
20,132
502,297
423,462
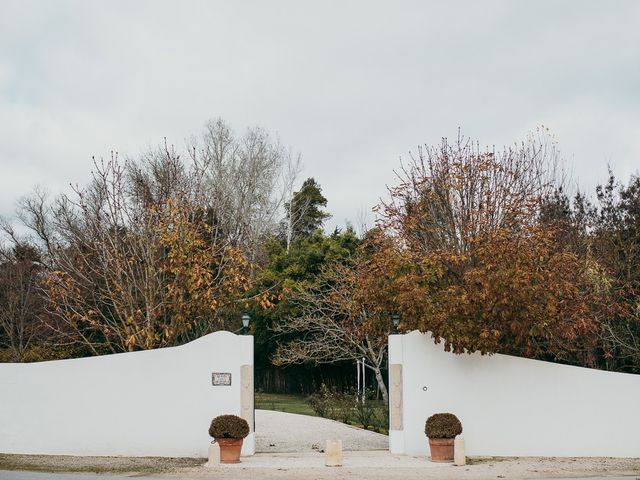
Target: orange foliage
147,285
480,271
513,294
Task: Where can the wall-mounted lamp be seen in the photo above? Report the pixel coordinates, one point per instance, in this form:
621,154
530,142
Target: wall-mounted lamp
245,323
395,319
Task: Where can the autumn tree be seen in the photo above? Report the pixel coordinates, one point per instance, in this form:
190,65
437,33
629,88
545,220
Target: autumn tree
604,230
160,249
21,304
451,194
493,278
133,264
615,240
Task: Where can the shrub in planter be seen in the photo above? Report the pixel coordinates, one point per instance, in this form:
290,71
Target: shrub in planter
442,428
229,432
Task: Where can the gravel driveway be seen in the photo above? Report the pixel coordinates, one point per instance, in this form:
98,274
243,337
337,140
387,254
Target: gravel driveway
288,432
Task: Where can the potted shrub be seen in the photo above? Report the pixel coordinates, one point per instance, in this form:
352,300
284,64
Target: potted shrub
442,429
229,432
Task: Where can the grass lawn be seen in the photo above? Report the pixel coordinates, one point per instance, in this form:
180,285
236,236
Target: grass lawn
284,403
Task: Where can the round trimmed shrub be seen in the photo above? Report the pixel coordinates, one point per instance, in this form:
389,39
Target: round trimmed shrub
443,425
229,426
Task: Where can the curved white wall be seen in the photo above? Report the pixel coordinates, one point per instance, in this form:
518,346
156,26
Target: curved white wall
147,403
514,406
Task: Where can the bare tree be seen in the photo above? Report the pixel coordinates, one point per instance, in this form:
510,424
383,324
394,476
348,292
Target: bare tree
244,181
623,335
336,324
458,192
132,263
292,172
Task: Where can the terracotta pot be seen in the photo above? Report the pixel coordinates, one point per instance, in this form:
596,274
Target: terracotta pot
441,449
230,449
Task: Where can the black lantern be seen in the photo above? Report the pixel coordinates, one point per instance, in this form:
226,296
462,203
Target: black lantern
245,322
395,319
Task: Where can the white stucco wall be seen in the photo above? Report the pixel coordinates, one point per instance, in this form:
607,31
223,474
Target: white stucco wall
514,406
148,403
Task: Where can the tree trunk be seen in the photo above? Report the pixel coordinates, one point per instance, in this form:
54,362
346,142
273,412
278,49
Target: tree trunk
381,386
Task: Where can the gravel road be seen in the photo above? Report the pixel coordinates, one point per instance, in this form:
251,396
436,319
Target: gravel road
375,465
279,432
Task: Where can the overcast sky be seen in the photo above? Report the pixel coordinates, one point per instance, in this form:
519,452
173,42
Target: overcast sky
350,85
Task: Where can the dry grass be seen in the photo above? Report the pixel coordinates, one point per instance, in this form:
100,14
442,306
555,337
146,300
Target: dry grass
64,463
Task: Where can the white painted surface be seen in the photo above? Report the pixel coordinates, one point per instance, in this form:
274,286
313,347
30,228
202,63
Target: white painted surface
515,406
148,403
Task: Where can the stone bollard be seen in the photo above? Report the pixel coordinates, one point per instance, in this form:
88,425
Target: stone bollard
214,455
333,453
458,451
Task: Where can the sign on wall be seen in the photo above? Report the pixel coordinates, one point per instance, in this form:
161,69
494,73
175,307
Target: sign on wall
221,379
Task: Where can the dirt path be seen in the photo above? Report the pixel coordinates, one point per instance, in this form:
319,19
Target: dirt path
279,432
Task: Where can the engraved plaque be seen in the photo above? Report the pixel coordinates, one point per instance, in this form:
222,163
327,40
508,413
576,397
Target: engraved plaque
221,379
